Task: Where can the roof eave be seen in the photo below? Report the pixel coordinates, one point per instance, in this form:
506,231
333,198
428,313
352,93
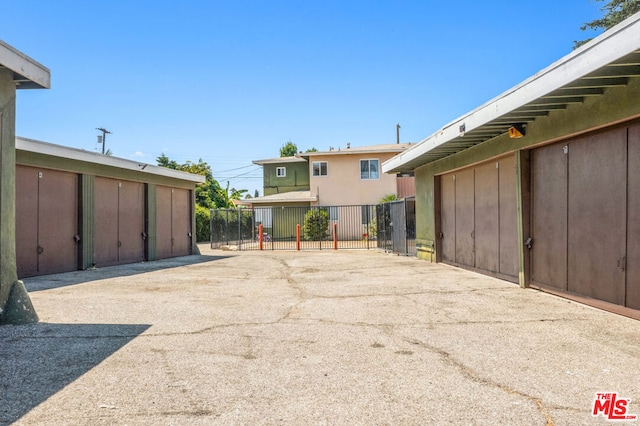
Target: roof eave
615,43
27,73
45,148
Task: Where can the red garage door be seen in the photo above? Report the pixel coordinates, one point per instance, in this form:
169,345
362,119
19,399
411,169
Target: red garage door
120,223
46,221
173,222
478,218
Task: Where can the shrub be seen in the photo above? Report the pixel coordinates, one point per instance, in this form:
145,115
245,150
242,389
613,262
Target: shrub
316,224
203,216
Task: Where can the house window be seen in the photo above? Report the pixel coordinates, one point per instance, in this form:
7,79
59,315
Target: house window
369,169
319,168
334,213
281,171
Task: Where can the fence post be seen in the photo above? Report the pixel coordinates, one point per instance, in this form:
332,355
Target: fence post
298,237
335,236
239,229
260,236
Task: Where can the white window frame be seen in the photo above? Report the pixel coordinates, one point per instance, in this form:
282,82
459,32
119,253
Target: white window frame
281,171
319,163
369,160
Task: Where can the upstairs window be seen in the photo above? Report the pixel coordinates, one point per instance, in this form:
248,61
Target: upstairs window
319,168
281,171
369,169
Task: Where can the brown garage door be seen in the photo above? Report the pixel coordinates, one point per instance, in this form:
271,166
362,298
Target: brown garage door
585,203
46,221
119,222
478,218
173,222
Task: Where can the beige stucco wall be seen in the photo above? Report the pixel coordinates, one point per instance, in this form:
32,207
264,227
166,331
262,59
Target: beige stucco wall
343,186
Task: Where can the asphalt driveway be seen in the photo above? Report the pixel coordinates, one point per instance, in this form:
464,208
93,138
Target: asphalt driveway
319,337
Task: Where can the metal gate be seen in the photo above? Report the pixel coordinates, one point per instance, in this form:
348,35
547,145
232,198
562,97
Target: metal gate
396,223
317,228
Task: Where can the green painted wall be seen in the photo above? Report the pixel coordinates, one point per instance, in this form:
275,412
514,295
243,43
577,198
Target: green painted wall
616,105
8,271
296,179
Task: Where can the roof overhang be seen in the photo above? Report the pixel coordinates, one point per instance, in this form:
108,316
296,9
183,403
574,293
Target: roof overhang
27,73
44,148
607,61
280,160
285,197
372,149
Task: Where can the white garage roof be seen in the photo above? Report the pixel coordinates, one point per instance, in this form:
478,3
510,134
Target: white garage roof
30,145
27,73
607,61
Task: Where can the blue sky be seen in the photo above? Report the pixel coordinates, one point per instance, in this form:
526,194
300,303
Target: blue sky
231,82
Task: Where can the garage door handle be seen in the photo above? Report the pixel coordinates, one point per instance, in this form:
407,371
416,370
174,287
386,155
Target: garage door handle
40,250
622,263
473,234
144,235
76,238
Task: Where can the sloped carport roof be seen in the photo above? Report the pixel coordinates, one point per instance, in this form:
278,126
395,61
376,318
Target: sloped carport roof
607,61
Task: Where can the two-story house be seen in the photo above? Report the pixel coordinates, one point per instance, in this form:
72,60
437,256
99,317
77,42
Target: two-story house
353,176
341,179
338,177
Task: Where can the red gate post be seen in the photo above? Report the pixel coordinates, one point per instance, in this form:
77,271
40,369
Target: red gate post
298,237
260,236
335,236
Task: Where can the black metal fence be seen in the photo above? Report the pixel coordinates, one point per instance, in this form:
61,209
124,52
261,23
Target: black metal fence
397,226
315,228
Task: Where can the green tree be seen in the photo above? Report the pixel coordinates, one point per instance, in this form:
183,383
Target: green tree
209,195
388,198
289,149
316,224
226,196
312,149
614,12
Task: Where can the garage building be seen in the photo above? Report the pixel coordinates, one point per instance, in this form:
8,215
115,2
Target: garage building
541,185
77,209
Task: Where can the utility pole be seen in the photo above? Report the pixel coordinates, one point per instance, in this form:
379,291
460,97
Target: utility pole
104,136
398,133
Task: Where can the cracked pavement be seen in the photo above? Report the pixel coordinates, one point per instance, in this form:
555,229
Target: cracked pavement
316,337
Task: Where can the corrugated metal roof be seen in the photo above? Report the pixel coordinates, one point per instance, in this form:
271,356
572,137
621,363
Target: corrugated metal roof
609,60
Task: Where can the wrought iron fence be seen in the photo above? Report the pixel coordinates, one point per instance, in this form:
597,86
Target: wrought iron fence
309,228
396,223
